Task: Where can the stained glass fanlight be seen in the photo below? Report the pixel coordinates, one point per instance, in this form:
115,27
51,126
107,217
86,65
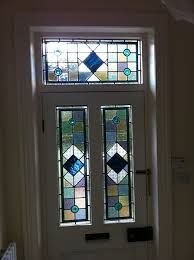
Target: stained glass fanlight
72,143
118,162
91,61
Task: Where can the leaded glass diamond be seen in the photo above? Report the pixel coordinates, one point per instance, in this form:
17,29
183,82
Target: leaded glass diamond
117,177
116,148
93,62
73,165
73,150
117,163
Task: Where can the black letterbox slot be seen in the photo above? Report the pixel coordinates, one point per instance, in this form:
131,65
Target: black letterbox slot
139,234
97,236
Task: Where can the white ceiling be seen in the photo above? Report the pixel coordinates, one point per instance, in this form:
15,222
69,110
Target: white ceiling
181,9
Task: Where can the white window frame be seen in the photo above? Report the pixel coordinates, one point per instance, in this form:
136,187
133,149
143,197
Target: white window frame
155,26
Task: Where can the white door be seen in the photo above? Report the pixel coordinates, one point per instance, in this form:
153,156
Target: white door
99,208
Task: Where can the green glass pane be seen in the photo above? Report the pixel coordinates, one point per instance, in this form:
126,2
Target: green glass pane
112,213
110,114
132,57
67,128
67,138
66,115
133,76
112,57
125,180
68,192
121,113
121,136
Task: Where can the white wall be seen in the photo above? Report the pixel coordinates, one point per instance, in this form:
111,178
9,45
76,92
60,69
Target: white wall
2,220
182,42
2,211
182,106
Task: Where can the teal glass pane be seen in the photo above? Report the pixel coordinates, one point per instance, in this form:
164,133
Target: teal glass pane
91,61
117,132
73,176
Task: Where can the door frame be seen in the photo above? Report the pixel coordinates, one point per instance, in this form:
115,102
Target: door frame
61,232
157,98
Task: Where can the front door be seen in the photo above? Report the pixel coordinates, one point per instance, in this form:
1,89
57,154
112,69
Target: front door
93,145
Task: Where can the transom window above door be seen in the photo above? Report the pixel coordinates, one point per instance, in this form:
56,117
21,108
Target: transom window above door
91,61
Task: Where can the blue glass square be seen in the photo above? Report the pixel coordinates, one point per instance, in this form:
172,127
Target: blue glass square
111,136
110,126
81,214
78,115
73,165
112,201
93,62
78,138
68,203
124,190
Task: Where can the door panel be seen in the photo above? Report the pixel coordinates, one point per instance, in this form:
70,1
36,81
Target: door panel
68,242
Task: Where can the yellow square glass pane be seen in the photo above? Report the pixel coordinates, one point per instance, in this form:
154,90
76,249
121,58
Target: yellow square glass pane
68,215
112,190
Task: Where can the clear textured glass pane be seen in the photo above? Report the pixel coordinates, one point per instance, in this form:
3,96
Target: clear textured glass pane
118,162
80,61
73,164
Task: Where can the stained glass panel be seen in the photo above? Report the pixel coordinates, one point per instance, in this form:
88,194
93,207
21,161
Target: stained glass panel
72,143
91,61
118,157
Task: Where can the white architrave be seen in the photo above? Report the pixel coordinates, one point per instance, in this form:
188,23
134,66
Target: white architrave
27,100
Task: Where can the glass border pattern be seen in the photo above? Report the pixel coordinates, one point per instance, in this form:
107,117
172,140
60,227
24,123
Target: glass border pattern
91,61
73,160
118,163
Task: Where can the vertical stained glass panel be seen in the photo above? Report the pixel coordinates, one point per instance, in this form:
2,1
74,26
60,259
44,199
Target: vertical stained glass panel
118,157
72,148
91,61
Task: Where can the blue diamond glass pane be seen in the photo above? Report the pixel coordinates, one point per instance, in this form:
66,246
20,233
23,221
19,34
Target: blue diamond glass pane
93,62
117,163
73,165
